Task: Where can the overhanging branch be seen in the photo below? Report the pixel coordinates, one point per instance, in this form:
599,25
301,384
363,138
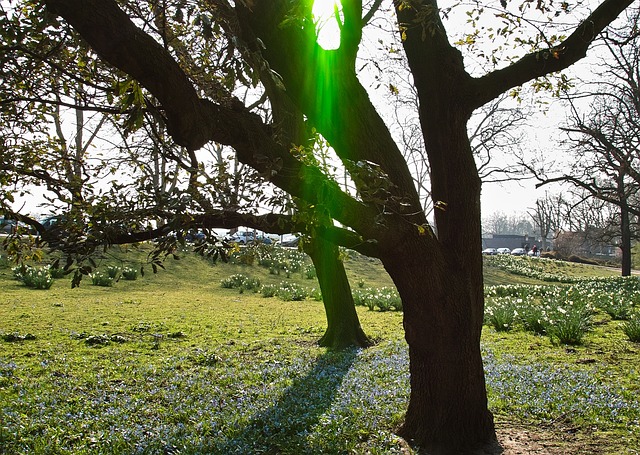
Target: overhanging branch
192,121
549,60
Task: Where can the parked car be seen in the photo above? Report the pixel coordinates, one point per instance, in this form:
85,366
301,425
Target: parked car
245,237
490,251
52,221
264,239
518,252
504,251
290,240
7,226
242,237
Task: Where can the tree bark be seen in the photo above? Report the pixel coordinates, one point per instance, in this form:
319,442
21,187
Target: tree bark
447,410
625,240
443,300
343,325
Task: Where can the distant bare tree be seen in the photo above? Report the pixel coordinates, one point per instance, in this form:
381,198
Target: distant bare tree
503,224
547,216
605,141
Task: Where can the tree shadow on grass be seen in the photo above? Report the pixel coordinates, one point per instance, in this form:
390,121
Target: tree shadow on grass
283,427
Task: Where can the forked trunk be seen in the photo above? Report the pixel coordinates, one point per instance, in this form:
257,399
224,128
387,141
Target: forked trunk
343,325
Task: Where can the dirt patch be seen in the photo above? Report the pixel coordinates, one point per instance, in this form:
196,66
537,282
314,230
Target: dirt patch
536,440
530,440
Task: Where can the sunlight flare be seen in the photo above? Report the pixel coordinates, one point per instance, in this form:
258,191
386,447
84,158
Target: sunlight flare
327,27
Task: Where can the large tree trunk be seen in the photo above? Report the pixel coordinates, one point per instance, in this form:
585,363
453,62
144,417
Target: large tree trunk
343,325
443,301
447,410
442,287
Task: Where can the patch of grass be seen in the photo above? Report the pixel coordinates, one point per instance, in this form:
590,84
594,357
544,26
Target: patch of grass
101,279
631,328
178,364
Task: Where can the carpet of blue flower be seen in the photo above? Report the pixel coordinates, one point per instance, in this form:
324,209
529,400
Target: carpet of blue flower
149,388
306,405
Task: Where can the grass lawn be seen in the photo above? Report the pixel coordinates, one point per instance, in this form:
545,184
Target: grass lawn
174,363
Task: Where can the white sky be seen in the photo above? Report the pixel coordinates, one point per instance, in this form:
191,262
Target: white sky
508,197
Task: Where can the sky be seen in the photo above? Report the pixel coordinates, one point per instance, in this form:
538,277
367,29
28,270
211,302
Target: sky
508,197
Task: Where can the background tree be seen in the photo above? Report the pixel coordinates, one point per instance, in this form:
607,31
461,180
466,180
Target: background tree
439,277
501,223
548,216
139,178
606,139
591,225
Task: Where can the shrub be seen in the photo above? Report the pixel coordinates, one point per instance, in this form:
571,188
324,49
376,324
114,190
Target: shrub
617,305
316,294
268,290
310,272
19,271
245,256
129,273
291,291
113,271
631,328
569,325
533,317
101,279
241,282
57,272
569,315
385,298
37,278
278,260
501,313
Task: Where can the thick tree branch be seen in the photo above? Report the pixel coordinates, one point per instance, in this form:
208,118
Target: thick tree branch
193,121
284,224
351,32
594,190
550,60
316,80
374,8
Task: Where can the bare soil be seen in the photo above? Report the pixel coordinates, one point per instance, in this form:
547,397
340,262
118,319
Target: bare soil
534,440
530,440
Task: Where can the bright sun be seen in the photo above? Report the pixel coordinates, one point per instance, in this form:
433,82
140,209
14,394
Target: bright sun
327,27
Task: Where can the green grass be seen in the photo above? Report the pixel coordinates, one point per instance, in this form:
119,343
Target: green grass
175,363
